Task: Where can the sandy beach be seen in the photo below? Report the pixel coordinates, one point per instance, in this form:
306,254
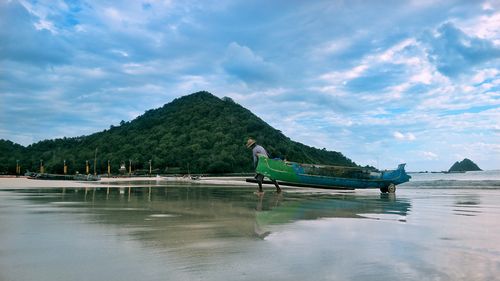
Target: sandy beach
25,183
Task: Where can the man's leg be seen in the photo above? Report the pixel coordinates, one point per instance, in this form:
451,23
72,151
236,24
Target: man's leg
259,179
278,189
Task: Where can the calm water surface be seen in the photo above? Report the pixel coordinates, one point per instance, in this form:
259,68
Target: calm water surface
183,232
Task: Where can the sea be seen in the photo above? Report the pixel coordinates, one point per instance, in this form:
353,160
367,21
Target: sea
436,227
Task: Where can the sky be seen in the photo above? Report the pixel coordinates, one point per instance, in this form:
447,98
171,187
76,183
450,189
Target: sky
383,82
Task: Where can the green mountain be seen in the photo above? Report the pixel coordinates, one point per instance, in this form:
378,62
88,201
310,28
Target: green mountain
464,165
199,132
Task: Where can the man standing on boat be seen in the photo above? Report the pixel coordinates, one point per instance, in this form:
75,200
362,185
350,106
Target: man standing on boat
256,151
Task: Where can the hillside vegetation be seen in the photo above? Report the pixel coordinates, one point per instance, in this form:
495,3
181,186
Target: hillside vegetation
199,132
464,165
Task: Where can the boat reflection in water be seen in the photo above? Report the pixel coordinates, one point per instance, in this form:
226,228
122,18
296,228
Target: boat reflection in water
180,216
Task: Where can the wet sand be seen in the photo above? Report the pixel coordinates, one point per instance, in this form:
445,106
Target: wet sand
179,229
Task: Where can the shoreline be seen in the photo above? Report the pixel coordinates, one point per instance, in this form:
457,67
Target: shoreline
26,183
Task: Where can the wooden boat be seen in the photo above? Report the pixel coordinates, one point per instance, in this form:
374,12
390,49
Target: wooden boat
46,176
331,177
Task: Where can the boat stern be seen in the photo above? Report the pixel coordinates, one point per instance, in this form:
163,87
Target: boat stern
397,176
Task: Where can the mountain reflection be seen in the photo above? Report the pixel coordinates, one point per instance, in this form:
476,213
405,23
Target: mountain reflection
197,217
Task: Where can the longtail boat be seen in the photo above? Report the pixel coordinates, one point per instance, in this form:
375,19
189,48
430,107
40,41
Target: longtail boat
46,176
331,177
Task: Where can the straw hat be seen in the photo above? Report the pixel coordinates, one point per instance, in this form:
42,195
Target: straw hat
250,142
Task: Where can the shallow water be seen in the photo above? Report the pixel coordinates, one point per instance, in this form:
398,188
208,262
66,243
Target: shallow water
227,233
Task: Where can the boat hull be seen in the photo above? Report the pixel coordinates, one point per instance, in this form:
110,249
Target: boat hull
79,177
328,176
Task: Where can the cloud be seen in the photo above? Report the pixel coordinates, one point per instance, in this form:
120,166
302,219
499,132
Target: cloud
455,52
241,62
379,78
404,137
25,38
385,75
429,155
484,26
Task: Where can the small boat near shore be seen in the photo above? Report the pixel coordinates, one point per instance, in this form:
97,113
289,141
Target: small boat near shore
77,177
330,177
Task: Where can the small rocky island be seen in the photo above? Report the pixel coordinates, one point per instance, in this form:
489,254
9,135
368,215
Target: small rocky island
464,166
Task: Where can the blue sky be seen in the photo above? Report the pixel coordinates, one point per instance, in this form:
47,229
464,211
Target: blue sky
383,82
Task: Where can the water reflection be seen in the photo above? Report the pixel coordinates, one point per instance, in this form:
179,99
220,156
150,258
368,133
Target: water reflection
213,233
467,205
179,216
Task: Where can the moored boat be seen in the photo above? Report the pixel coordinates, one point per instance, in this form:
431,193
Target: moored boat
77,177
331,177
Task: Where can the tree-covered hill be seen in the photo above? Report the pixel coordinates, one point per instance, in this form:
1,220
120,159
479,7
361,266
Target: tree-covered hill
199,132
10,153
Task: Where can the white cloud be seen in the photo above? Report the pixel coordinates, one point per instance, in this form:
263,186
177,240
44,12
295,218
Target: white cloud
484,74
399,135
485,26
404,137
424,77
332,47
45,24
487,6
120,52
408,52
192,83
394,54
138,68
429,155
340,77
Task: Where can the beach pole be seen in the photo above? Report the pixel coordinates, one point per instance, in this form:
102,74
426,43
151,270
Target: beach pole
149,167
95,162
65,168
109,169
87,168
41,166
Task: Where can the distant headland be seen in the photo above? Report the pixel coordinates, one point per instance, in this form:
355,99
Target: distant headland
464,166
